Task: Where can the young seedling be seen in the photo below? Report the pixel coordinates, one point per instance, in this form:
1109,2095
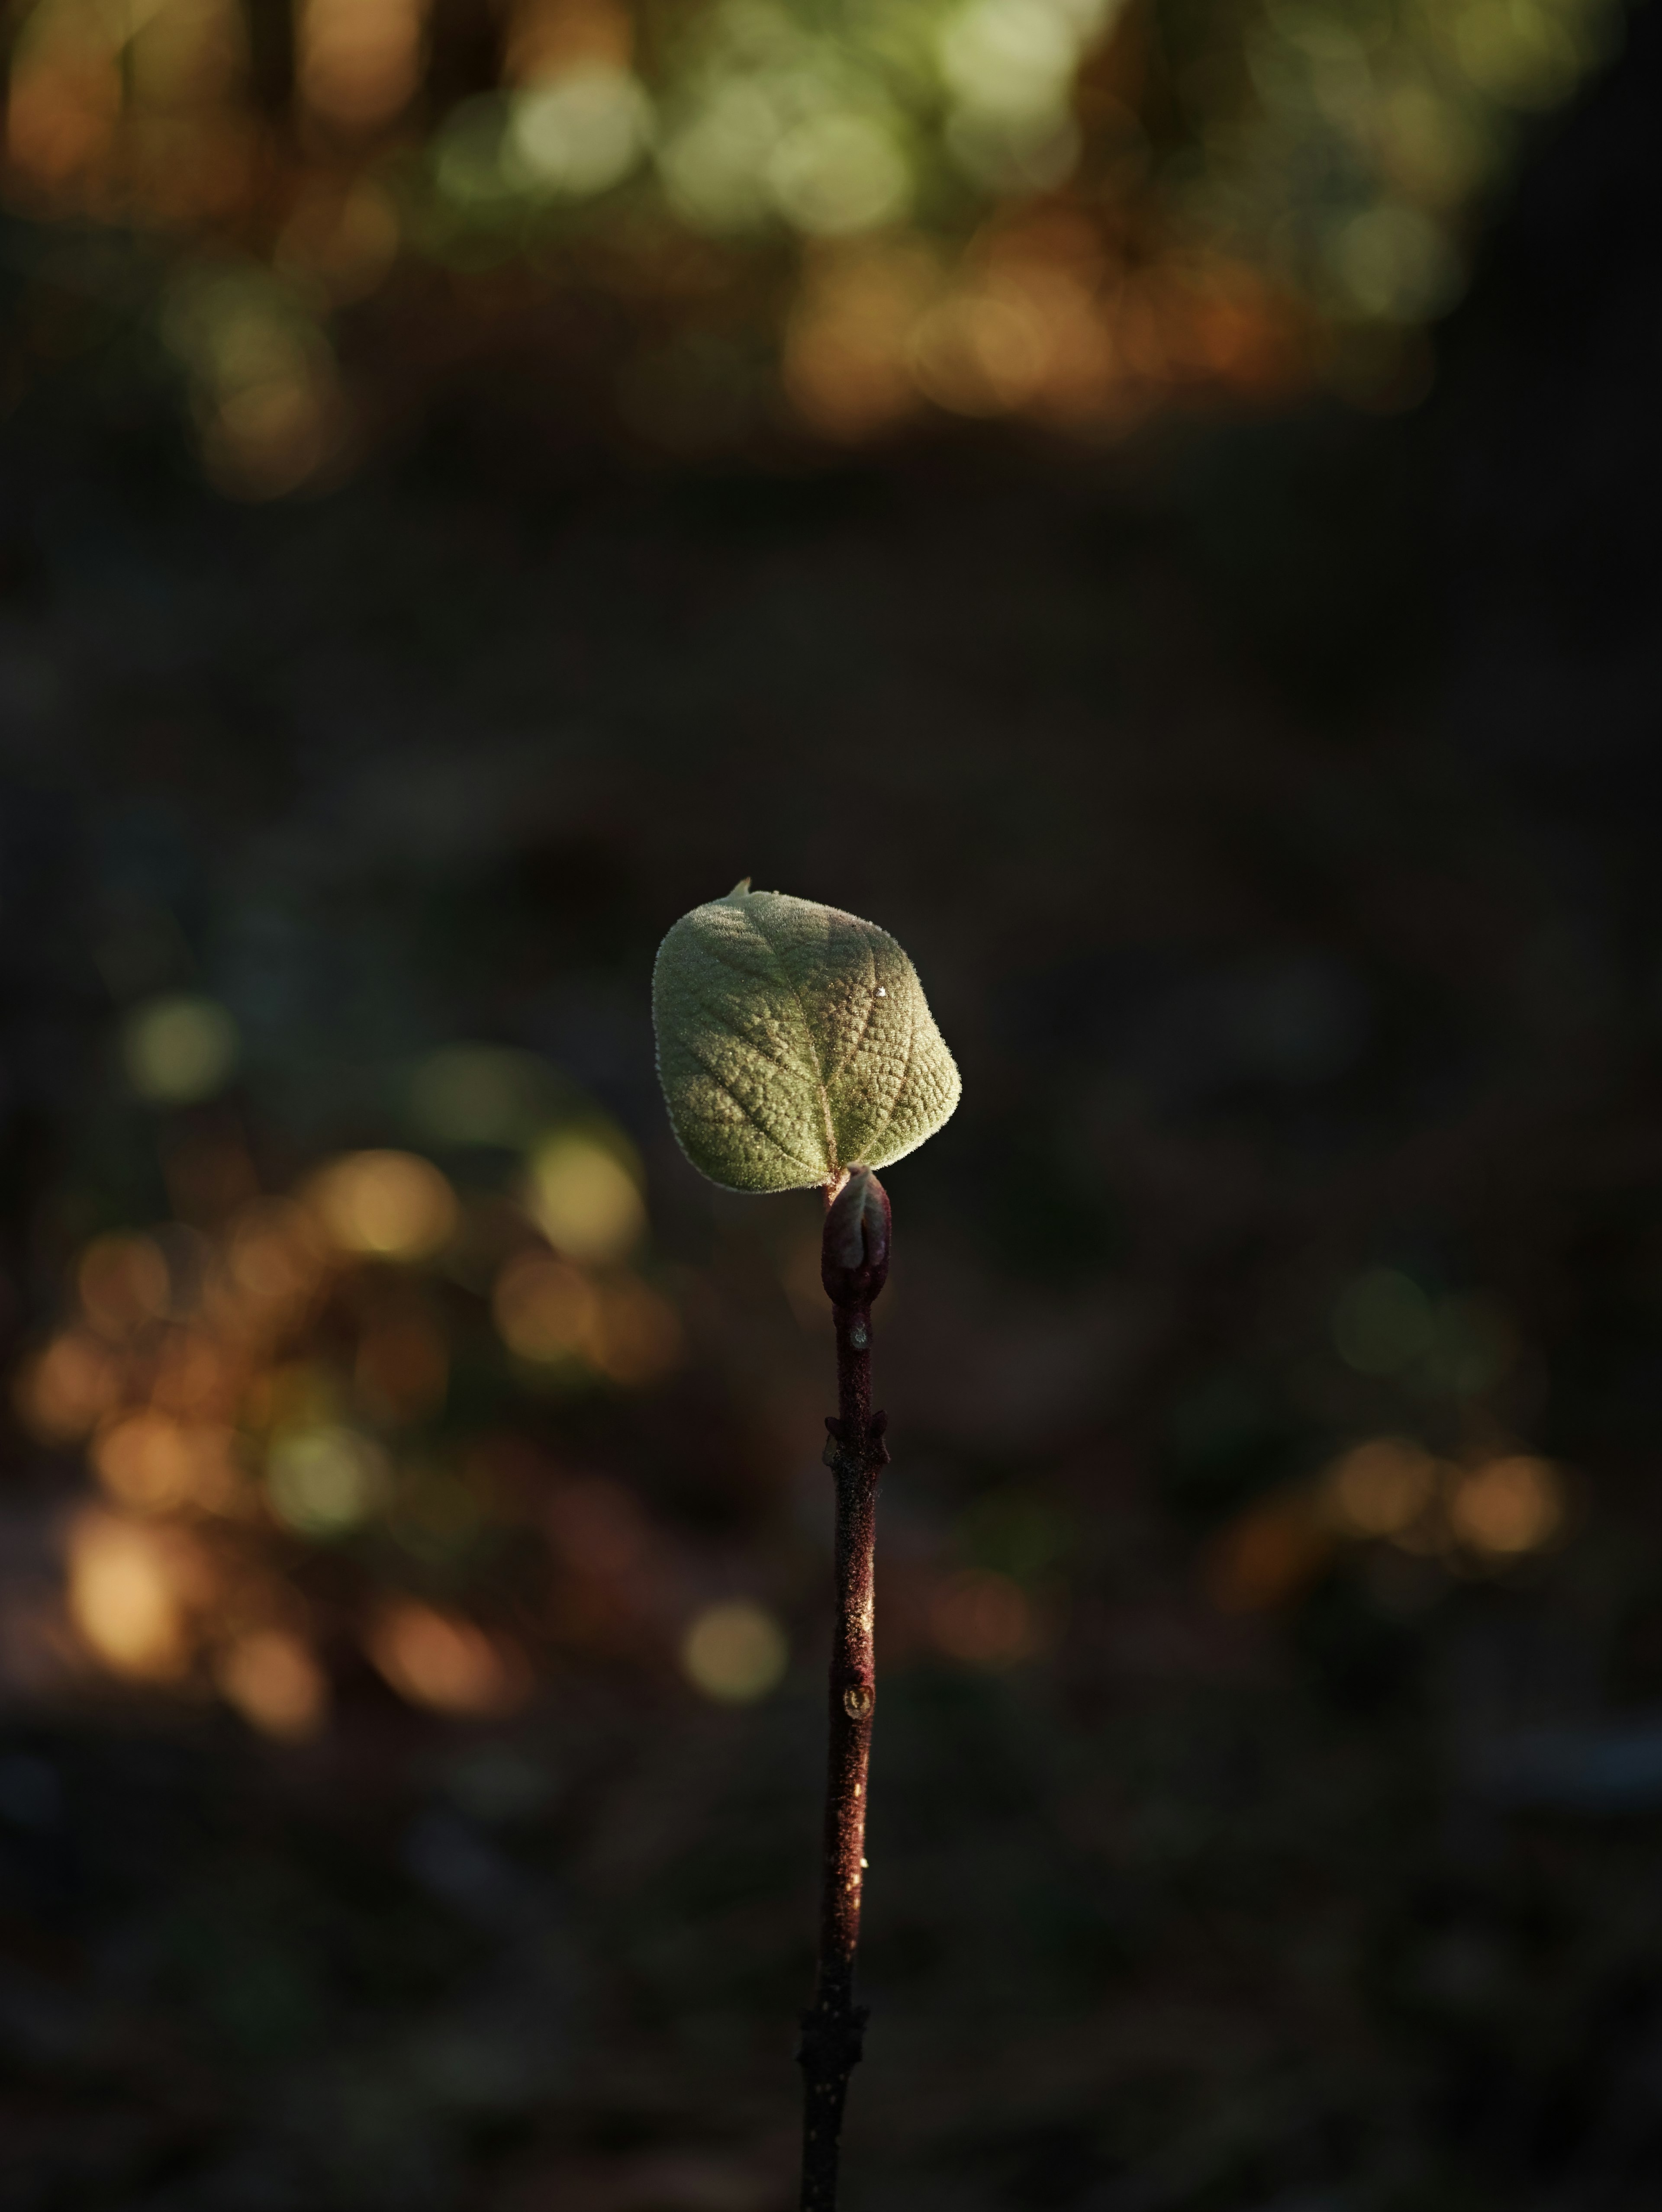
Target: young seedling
796,1051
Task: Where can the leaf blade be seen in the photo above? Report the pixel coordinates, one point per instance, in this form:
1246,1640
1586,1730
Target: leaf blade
794,1042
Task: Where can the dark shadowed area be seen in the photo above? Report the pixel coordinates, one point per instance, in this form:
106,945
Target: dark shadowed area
413,1534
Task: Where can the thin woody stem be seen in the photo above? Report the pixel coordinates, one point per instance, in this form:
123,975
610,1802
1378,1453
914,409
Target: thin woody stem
833,2027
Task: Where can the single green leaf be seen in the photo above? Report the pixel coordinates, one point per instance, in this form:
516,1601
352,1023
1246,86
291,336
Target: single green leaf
794,1042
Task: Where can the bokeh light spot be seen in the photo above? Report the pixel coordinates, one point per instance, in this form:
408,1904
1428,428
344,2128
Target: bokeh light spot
1380,1487
358,61
585,1199
325,1481
844,364
544,1308
735,1652
1395,263
713,166
980,352
1508,1507
273,1680
445,1663
60,1392
127,1596
834,175
153,1464
385,1204
178,1049
1010,56
582,133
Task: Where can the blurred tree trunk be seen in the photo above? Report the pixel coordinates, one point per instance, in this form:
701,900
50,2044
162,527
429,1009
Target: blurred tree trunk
272,57
466,47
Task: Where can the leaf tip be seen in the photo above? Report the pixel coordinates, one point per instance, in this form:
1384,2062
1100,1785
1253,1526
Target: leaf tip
740,890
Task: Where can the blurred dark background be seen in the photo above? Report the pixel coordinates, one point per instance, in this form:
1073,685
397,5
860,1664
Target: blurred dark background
413,1535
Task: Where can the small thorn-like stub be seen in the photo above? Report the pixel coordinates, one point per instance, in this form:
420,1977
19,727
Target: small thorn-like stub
740,890
854,1255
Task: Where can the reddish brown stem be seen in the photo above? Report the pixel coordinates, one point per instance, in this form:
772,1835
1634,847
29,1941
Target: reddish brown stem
833,2027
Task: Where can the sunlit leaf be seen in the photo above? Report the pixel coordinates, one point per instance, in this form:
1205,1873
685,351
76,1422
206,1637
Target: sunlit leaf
794,1041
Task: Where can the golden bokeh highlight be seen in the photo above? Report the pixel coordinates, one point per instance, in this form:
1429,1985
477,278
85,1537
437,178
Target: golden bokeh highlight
61,1392
152,1464
271,436
194,1373
248,1375
585,1199
245,1388
1315,209
272,1677
981,351
385,1204
544,1309
546,39
64,94
358,62
845,364
131,1589
1508,1507
1381,1488
550,1312
1041,320
1390,1488
446,1663
735,1652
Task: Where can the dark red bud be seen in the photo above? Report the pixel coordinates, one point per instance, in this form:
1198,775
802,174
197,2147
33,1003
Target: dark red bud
853,1257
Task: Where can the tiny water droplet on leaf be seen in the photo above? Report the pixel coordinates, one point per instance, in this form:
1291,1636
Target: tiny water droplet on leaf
793,1042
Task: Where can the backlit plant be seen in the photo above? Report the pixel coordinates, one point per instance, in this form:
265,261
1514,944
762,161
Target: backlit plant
797,1051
